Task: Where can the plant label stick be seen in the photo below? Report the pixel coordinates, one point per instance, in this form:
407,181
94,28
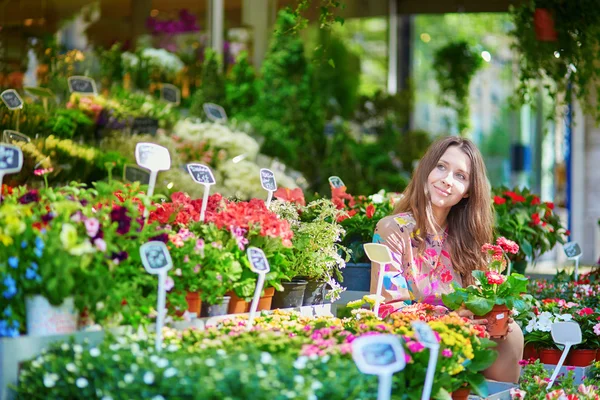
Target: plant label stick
170,93
567,334
267,180
203,175
426,336
157,261
380,254
380,355
214,112
154,158
260,265
335,182
42,93
10,137
573,252
83,85
13,101
11,161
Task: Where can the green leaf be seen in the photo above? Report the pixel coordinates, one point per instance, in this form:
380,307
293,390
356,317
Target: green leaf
518,283
478,384
483,359
442,394
479,275
479,305
527,248
520,305
330,62
455,299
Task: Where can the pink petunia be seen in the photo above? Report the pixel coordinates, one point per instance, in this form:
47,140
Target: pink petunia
447,353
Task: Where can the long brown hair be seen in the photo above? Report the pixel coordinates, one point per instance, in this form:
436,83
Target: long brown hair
470,222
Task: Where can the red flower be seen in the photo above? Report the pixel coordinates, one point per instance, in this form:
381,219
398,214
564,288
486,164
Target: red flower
516,198
550,205
290,195
494,278
567,233
585,311
499,200
370,211
507,245
535,200
535,218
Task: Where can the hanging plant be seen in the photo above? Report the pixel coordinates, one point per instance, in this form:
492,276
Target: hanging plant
455,65
558,41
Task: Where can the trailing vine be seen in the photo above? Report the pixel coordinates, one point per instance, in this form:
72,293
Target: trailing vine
327,14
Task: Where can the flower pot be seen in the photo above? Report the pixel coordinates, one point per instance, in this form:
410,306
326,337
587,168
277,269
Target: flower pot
581,358
265,301
550,356
292,295
598,355
530,352
194,302
237,305
214,310
497,325
314,294
357,277
544,25
45,319
461,394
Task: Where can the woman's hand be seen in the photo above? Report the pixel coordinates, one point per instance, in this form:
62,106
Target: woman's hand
465,313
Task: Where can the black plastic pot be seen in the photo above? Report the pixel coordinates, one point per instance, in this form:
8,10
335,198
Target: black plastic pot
214,310
357,277
292,295
314,293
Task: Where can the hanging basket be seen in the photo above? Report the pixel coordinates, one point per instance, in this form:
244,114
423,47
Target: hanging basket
544,25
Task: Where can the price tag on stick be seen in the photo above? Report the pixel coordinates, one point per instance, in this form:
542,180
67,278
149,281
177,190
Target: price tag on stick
426,336
82,85
267,180
13,101
133,173
42,93
335,182
214,112
380,355
10,137
573,252
157,261
260,265
203,175
567,334
155,158
11,161
380,254
170,93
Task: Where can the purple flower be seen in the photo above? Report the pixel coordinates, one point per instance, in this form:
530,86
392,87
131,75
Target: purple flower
92,226
46,218
119,215
30,197
169,284
118,257
163,237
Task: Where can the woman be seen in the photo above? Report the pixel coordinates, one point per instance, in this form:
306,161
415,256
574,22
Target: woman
435,236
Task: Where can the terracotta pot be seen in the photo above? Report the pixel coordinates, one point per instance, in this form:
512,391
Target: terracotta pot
497,325
598,355
550,356
461,394
264,303
530,352
544,25
581,358
194,302
236,304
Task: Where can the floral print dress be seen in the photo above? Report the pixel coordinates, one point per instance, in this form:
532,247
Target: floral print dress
412,276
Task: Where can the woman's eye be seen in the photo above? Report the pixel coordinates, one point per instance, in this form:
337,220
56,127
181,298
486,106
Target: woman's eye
440,166
461,176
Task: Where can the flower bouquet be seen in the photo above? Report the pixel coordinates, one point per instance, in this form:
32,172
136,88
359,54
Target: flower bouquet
494,295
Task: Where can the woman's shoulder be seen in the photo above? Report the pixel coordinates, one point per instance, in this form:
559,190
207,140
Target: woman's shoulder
403,222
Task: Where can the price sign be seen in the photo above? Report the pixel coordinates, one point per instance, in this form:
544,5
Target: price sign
40,92
214,112
170,93
82,85
9,136
11,99
425,335
572,250
201,174
145,125
133,173
157,261
567,334
258,260
11,159
336,182
152,156
260,265
380,254
267,180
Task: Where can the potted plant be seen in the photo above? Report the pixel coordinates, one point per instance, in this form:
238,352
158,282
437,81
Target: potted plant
494,295
522,217
584,353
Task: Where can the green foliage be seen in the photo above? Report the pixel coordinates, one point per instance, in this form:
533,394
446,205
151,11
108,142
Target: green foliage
455,65
240,88
64,123
577,24
111,65
327,15
212,85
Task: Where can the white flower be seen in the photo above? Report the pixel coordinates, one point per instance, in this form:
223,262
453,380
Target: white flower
81,383
221,352
172,348
128,378
154,358
162,363
64,346
78,349
134,368
300,362
243,357
565,317
377,198
50,380
210,362
71,367
299,379
94,352
266,358
170,372
114,347
325,359
116,357
107,398
316,385
531,325
99,305
261,373
158,397
148,378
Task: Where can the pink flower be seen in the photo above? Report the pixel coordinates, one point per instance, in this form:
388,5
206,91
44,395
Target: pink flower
41,172
169,284
197,268
447,353
507,245
517,393
415,347
100,244
92,226
555,394
585,311
407,358
494,278
597,329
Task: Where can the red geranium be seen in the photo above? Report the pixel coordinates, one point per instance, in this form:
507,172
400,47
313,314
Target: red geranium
535,219
516,198
535,200
499,200
495,278
370,211
290,195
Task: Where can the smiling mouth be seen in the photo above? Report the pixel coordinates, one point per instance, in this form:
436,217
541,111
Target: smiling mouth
443,193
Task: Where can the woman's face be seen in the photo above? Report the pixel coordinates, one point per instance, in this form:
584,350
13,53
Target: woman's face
448,182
